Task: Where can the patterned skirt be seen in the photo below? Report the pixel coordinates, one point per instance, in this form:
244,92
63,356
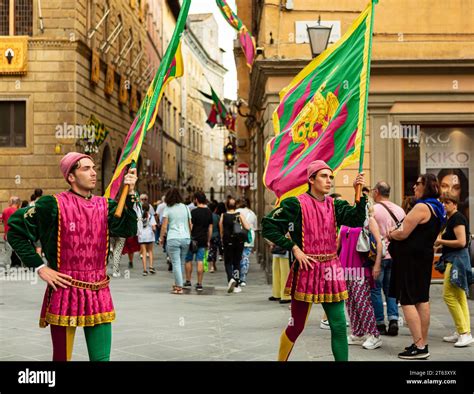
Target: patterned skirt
77,307
131,245
325,282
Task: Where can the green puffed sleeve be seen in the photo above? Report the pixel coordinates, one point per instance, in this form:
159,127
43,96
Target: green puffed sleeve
30,224
126,225
350,215
286,218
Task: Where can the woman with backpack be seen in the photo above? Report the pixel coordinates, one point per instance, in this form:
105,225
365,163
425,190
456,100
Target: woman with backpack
234,232
217,210
411,247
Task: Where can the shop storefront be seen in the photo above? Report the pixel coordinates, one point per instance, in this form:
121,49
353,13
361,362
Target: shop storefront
446,152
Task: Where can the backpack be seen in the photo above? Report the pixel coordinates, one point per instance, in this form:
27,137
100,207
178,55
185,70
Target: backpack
238,231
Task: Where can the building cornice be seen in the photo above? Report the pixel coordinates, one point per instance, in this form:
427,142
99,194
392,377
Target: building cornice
40,42
263,69
197,47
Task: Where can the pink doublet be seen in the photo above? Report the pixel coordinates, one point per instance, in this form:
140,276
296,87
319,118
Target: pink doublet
82,254
322,283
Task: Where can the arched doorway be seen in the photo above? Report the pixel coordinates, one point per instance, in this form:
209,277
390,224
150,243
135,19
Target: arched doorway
107,168
117,157
212,196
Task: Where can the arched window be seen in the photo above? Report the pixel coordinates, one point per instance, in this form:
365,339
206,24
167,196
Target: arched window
117,158
106,168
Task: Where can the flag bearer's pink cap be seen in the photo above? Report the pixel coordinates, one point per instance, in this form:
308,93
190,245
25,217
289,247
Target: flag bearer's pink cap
68,161
316,166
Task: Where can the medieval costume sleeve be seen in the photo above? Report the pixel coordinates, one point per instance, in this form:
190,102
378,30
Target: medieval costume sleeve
31,224
350,215
126,225
286,218
40,222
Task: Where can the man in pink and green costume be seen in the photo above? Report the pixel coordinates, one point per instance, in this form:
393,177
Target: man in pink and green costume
74,229
316,276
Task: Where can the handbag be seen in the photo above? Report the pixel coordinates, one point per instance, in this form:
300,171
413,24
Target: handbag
238,231
372,254
205,261
440,265
193,246
363,242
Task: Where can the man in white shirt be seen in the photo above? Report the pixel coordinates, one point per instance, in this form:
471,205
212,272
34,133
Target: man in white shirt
386,214
248,246
160,209
144,198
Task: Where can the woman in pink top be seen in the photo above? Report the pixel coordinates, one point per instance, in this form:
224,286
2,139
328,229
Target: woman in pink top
360,279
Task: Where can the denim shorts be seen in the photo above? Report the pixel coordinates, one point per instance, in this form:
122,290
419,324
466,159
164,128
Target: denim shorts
199,255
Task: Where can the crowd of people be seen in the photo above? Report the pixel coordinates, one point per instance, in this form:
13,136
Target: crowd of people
193,234
385,252
325,251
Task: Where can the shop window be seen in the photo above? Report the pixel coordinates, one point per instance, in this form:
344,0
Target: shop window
13,124
448,153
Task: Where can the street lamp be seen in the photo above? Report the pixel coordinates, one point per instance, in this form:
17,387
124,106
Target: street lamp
318,37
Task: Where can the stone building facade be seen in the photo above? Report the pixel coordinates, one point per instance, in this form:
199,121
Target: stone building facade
56,92
204,155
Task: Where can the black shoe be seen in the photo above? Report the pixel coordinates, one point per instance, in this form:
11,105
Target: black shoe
285,301
382,329
198,287
413,353
187,284
273,299
152,270
130,264
393,328
410,347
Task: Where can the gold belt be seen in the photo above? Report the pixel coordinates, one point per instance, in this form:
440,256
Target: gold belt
91,285
322,257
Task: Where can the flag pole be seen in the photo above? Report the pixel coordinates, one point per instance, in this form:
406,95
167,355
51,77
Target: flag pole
362,145
155,98
123,196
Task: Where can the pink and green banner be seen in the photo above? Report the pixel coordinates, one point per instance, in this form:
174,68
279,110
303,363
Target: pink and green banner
171,67
247,42
322,112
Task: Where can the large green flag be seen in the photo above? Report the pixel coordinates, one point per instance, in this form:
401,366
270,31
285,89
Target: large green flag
171,67
322,112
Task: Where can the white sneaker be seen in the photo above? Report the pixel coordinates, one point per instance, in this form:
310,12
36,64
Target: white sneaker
116,274
231,285
353,340
243,284
372,342
237,290
324,325
464,340
452,338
